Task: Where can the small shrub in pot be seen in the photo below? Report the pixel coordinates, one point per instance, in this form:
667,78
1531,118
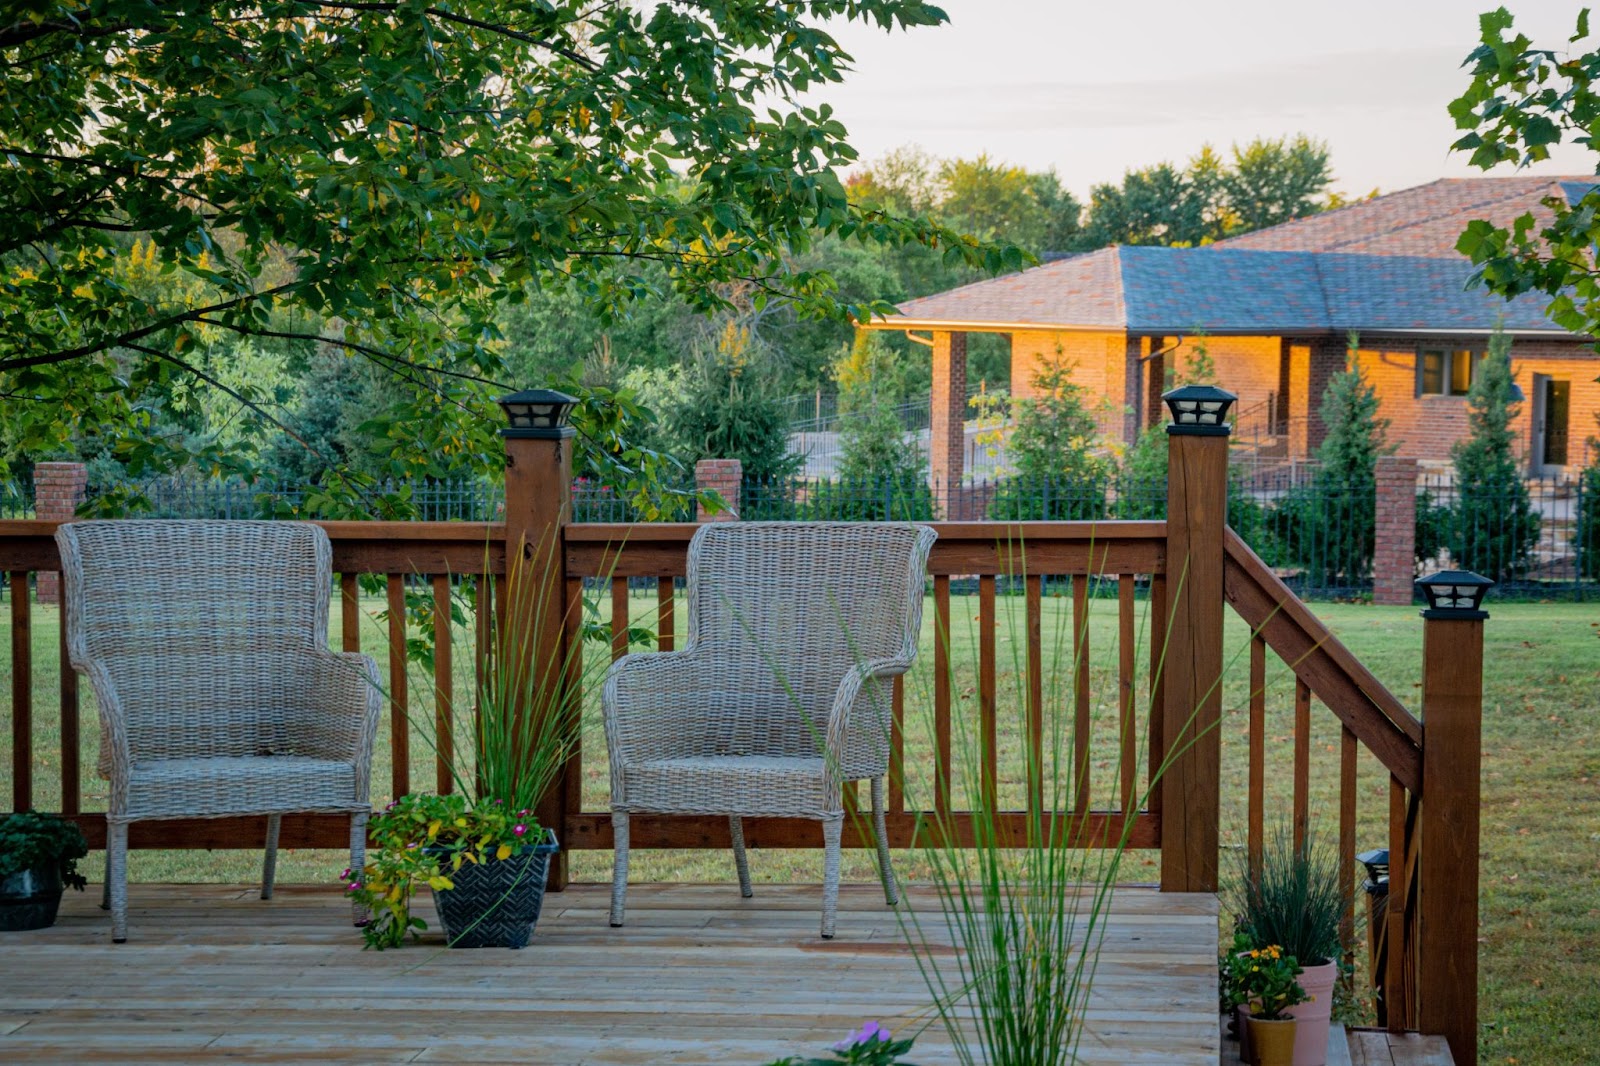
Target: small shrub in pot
39,856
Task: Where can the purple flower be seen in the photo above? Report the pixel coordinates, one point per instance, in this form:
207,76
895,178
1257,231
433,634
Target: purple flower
871,1032
354,885
519,830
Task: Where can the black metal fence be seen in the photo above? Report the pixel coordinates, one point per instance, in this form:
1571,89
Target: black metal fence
1536,537
16,498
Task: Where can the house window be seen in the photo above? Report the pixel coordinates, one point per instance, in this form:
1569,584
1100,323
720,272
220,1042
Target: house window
1446,372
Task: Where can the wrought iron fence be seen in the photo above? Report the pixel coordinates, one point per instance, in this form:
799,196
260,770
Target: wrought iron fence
1536,536
457,499
16,498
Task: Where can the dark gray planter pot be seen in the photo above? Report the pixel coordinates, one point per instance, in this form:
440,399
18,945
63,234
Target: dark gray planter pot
29,899
495,905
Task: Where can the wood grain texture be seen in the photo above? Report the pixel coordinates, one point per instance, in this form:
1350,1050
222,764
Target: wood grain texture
21,693
666,615
349,612
1257,774
399,699
443,686
697,976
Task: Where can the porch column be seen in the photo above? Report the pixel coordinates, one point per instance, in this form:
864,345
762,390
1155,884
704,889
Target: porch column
1128,374
1447,891
725,477
1311,366
58,489
947,436
1155,379
538,506
1197,518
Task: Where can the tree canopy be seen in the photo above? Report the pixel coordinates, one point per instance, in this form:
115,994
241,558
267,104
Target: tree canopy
379,178
1523,101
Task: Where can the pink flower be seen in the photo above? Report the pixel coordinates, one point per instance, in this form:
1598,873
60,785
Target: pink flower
519,830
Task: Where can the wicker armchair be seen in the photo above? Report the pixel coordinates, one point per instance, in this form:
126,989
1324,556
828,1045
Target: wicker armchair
782,691
206,644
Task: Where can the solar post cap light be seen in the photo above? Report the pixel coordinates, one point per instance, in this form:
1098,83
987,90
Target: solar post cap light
1199,410
538,413
1454,594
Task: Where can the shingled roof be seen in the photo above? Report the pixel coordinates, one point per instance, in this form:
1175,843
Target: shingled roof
1380,264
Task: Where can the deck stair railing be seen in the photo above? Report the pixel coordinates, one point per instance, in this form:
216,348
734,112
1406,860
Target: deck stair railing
1155,698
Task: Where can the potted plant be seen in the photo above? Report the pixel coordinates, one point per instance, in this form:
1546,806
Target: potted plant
480,848
39,856
1264,981
1295,901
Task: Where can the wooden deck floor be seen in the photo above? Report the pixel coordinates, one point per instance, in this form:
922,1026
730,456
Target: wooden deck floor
699,975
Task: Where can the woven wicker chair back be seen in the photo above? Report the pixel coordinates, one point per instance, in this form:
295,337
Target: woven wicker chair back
194,622
797,605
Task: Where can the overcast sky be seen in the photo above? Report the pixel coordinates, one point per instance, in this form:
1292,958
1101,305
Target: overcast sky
1094,87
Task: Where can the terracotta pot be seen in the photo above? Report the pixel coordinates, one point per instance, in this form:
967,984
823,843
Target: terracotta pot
1311,1035
1272,1041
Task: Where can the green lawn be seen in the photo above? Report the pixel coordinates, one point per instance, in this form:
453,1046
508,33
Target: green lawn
1541,828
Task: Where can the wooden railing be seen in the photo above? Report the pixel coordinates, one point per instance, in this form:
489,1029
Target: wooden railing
1184,572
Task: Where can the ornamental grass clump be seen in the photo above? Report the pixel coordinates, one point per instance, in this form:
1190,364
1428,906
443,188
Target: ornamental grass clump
523,729
1295,900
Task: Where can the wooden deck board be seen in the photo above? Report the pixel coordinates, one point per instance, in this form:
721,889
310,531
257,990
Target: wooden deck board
697,976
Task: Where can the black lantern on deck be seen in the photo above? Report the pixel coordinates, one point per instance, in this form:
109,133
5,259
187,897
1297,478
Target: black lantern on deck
1454,594
538,413
1199,410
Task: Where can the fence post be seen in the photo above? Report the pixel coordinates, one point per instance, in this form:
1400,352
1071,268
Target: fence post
1197,518
538,505
1452,755
1394,549
726,478
58,489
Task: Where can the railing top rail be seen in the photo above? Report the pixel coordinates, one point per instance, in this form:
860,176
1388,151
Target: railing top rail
1337,678
986,532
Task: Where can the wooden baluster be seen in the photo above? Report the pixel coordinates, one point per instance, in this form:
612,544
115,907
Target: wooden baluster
1128,751
619,618
987,706
941,692
1347,834
1302,762
1158,692
1258,753
666,615
572,644
443,687
349,613
21,694
1080,685
897,748
399,706
1395,997
1035,625
482,660
71,735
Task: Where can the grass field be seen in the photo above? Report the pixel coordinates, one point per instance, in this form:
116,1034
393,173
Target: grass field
1541,782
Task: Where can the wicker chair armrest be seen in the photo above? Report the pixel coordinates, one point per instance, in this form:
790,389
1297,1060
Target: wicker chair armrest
847,728
113,729
652,702
345,698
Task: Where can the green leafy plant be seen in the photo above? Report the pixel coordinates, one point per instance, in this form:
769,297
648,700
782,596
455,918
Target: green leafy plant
1295,900
1264,980
29,840
871,1045
1494,528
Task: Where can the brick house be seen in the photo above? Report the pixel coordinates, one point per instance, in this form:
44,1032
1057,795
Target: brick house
1273,310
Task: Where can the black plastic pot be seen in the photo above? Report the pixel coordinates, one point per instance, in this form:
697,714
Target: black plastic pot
30,898
495,904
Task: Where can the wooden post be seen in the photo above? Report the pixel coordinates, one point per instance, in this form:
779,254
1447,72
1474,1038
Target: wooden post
1447,895
538,506
1197,516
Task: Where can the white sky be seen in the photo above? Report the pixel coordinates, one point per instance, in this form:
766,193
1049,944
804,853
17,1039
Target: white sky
1095,87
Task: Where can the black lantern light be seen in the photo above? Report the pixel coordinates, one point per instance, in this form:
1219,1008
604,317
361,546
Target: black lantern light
538,413
1199,410
1454,594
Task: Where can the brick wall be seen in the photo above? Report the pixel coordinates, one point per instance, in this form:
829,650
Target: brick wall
1099,363
947,435
1394,554
58,490
1425,427
725,477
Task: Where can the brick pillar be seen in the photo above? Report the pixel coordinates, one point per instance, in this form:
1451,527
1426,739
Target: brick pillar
1394,550
724,477
1123,382
947,436
58,489
1327,358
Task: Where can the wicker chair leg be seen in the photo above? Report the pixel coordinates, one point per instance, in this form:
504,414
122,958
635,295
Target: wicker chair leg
880,829
619,866
269,864
105,889
117,879
736,830
832,837
358,859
